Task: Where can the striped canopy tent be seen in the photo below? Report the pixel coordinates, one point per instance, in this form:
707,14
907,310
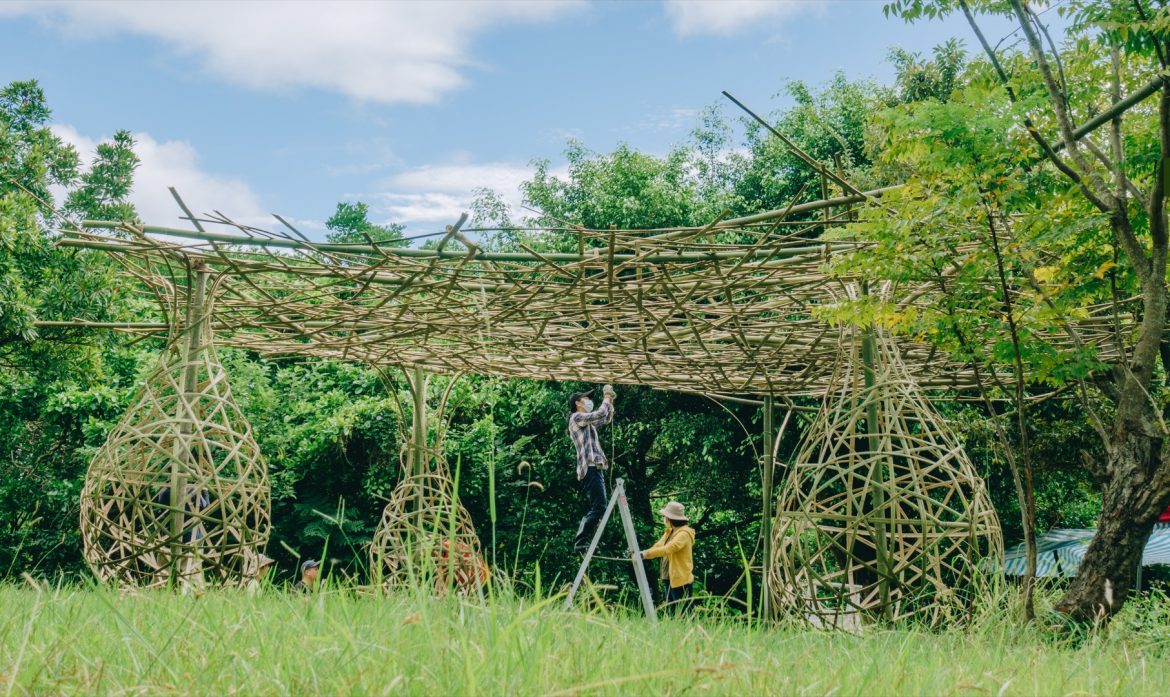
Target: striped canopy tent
1059,552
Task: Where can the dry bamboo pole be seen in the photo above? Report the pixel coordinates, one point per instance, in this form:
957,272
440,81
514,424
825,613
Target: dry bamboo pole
197,314
766,513
416,381
794,148
790,210
869,368
413,253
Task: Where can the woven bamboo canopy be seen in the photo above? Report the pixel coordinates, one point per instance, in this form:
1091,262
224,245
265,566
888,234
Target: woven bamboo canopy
678,308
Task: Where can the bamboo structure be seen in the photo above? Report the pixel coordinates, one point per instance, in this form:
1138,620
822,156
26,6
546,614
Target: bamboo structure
673,309
883,517
736,307
178,494
425,536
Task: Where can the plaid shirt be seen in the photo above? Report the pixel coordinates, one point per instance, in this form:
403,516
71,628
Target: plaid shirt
583,431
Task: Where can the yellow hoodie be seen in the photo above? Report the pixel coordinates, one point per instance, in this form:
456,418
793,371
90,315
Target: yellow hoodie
678,554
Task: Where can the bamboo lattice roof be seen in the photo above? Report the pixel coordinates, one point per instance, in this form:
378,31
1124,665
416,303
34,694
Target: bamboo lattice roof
672,309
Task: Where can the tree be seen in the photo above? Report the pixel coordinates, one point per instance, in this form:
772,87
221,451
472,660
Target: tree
1113,179
829,124
350,223
60,389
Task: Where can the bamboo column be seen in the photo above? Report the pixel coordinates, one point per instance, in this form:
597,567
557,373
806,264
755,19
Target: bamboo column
416,460
425,537
196,314
766,519
872,430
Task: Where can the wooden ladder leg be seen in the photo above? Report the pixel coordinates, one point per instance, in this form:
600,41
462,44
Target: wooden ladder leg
635,553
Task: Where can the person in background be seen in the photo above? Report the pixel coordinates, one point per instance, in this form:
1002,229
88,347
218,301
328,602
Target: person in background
310,571
259,571
674,548
583,423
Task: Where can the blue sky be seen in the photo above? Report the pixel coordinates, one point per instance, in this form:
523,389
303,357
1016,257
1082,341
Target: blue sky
290,107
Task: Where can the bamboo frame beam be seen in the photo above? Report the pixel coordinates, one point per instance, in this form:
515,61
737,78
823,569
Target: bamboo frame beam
413,253
674,309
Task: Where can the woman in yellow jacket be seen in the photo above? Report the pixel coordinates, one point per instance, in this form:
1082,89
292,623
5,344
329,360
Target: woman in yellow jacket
674,547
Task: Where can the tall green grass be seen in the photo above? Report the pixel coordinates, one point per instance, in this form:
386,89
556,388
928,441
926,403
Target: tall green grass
97,641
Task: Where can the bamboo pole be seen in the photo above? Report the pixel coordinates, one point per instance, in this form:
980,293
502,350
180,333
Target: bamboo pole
790,210
766,517
196,315
874,446
417,384
411,252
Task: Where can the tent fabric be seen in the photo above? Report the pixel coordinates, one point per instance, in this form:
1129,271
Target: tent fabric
1060,552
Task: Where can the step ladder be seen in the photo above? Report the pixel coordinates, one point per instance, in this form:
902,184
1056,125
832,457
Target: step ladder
618,499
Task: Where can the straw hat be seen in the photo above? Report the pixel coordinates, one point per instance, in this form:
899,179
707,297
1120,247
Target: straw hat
675,511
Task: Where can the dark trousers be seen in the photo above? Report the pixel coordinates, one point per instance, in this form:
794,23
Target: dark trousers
678,599
594,487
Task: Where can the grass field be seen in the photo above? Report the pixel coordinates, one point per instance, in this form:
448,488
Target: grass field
94,641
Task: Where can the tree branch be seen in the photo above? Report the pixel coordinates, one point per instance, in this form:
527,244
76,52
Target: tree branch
1058,98
1049,152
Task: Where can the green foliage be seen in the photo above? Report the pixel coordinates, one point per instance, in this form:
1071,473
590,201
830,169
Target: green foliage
931,79
103,190
350,223
60,392
330,432
625,188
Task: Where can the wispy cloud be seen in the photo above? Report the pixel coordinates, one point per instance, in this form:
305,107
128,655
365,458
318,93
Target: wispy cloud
435,195
727,17
670,120
371,51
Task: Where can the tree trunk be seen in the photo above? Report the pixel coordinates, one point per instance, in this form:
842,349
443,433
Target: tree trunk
1130,507
1137,487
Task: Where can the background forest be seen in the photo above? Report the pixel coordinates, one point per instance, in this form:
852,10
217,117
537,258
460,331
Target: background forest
331,431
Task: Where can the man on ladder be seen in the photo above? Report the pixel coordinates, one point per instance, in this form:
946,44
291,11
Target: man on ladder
583,423
591,462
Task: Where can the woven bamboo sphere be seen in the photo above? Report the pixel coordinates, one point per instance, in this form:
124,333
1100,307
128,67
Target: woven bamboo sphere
426,539
182,433
879,521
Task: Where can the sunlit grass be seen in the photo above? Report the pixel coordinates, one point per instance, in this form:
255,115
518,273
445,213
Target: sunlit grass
96,641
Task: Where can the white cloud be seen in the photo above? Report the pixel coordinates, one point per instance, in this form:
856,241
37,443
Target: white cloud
176,163
726,17
435,195
373,51
672,119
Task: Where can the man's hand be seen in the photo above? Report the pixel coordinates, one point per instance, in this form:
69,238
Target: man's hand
608,393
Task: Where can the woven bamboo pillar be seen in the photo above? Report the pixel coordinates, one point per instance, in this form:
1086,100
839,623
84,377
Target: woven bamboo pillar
883,516
178,494
425,538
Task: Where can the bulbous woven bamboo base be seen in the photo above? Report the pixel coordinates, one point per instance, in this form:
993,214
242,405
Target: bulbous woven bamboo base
421,525
183,432
883,521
